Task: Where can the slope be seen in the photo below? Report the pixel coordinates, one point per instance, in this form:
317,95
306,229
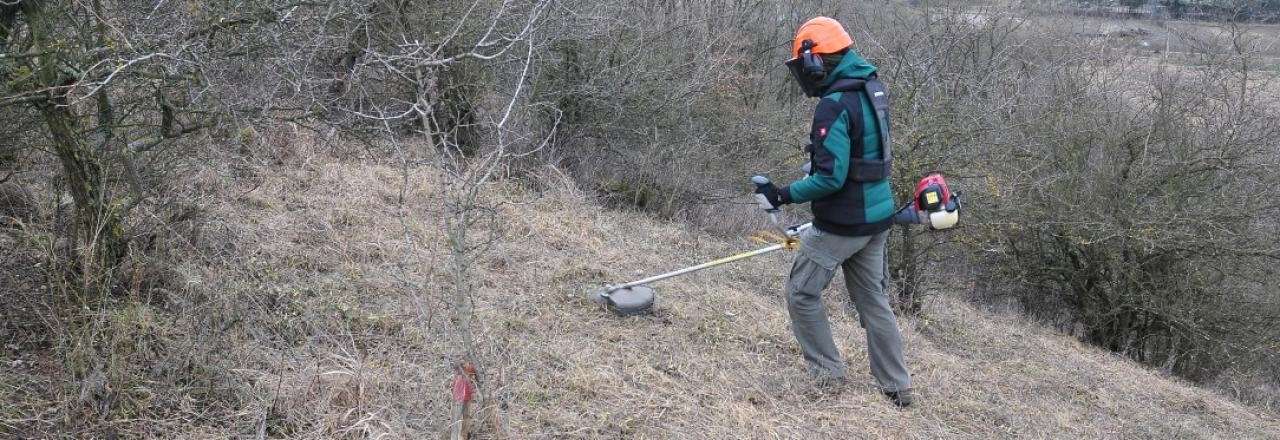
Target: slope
312,300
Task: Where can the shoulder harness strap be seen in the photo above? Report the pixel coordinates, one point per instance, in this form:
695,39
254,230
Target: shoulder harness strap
870,170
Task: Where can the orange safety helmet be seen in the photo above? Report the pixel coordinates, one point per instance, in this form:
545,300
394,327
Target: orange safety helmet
816,37
827,34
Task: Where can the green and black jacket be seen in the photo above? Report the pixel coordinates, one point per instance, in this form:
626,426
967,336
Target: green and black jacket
840,204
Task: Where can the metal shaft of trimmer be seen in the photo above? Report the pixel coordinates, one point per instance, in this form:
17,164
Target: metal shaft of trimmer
792,232
709,264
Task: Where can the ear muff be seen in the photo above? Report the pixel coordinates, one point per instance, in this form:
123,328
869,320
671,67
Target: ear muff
807,69
811,62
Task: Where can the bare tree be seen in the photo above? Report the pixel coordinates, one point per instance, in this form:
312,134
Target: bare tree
443,122
112,91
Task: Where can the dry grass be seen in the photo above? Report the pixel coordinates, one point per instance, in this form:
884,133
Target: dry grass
718,360
304,308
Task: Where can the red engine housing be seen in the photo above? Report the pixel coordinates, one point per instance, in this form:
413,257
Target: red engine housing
932,193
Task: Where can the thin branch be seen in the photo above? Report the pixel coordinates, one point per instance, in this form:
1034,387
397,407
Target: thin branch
524,73
147,143
18,56
29,98
105,81
455,30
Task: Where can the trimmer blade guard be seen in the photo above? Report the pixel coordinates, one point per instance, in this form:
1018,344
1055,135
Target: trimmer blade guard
632,301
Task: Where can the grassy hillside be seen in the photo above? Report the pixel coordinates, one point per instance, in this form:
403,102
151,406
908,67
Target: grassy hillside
257,220
302,306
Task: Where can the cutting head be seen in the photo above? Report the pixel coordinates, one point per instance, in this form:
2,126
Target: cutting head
631,301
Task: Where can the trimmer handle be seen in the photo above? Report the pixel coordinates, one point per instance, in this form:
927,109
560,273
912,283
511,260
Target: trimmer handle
954,203
761,200
795,231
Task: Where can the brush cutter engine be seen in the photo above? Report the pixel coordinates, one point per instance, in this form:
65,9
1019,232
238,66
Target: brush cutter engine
934,197
934,204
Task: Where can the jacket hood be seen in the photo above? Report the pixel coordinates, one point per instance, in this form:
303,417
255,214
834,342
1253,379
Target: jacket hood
852,66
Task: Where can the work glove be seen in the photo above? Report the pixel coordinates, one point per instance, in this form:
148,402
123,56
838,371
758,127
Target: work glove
768,196
771,195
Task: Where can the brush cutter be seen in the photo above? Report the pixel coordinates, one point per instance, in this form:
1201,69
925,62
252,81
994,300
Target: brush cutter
934,204
635,298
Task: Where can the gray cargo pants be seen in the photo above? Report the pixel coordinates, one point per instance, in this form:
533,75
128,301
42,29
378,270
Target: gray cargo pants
863,260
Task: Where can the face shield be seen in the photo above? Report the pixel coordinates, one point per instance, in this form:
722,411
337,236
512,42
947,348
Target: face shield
807,69
808,80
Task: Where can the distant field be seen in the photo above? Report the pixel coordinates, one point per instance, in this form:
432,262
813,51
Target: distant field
1156,36
1176,43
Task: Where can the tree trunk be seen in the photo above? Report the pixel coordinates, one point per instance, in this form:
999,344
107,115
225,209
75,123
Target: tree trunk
98,223
909,272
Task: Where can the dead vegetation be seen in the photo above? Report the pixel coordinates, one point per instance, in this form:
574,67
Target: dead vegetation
318,271
294,321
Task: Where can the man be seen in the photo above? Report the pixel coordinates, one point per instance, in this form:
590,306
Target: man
848,189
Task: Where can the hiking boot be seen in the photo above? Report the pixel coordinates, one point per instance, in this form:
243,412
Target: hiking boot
900,398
